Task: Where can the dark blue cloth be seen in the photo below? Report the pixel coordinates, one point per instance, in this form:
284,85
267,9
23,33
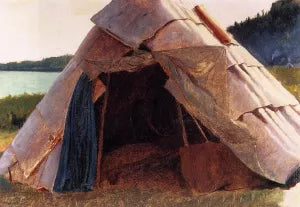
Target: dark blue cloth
78,160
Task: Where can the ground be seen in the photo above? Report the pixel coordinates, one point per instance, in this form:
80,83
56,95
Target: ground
19,195
5,138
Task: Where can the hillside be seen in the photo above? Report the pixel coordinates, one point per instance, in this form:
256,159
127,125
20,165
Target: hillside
273,36
52,64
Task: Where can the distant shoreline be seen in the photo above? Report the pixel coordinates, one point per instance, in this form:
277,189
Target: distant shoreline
51,64
29,70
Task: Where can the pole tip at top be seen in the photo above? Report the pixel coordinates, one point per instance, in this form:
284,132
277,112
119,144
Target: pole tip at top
213,25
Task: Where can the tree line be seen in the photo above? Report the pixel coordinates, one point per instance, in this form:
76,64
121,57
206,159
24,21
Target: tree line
52,64
273,36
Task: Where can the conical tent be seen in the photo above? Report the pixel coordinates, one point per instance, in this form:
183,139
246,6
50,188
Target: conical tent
211,75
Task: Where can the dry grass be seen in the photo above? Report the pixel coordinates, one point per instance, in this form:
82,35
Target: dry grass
6,138
23,196
289,78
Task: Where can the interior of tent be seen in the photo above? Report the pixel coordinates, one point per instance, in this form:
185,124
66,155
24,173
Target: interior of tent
144,126
141,110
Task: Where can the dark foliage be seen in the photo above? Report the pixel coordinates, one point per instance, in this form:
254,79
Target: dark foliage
48,64
14,110
274,36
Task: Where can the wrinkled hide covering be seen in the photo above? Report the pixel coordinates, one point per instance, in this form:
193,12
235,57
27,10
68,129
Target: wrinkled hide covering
103,49
133,21
137,60
77,166
43,128
202,70
44,177
182,34
249,144
257,84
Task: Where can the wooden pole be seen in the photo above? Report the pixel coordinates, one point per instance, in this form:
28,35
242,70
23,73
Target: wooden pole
218,31
10,176
200,128
101,132
180,117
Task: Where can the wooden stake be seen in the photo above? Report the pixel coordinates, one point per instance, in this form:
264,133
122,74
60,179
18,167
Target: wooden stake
101,132
200,128
10,176
180,117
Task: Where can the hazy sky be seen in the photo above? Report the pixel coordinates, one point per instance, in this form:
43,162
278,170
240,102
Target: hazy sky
34,29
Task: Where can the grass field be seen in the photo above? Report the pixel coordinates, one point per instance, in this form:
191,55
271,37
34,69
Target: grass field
19,195
289,77
21,106
5,138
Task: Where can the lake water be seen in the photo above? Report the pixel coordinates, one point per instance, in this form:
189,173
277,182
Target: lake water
16,83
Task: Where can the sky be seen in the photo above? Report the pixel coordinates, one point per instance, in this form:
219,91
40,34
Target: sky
36,29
